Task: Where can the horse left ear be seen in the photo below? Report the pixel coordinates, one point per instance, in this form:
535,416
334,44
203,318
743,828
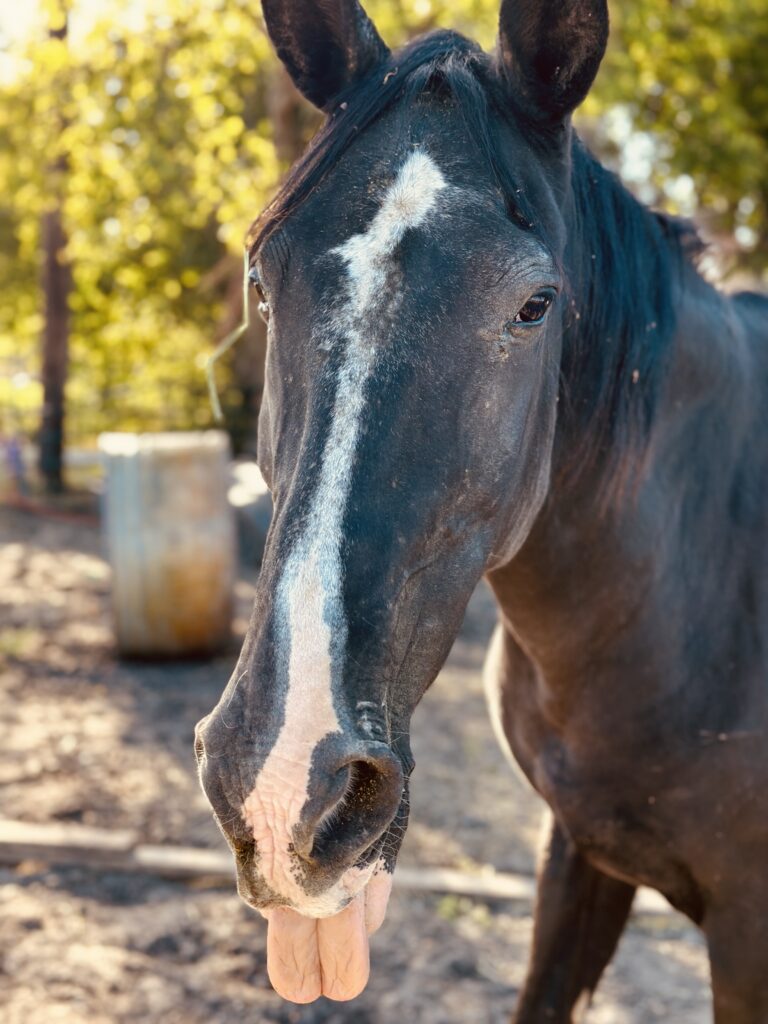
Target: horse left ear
325,45
550,51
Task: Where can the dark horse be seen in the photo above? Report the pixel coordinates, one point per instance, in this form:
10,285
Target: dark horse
485,357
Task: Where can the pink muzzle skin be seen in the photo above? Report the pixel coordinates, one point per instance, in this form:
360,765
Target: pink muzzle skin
309,957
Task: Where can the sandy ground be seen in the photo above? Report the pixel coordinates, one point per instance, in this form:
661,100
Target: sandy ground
89,739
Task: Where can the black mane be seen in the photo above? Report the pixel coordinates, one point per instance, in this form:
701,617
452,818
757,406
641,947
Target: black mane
622,261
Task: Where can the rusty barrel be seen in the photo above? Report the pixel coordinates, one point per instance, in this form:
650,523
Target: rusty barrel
170,537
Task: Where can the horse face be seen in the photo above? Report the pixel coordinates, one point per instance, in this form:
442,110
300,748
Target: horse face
406,432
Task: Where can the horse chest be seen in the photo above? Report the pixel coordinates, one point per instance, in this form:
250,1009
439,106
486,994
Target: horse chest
618,816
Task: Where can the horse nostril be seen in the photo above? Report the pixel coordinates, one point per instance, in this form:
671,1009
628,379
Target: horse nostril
361,800
366,784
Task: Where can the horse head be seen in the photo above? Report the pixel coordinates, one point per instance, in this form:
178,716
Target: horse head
411,271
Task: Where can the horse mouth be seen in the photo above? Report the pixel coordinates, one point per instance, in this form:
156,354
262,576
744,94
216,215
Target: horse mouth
318,944
313,956
312,891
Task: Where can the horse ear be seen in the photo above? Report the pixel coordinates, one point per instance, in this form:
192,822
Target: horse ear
550,51
324,44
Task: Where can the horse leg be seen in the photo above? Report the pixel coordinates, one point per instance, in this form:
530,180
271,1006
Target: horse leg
580,915
737,936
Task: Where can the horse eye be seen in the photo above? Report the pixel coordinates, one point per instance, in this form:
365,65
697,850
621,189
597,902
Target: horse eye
254,280
535,309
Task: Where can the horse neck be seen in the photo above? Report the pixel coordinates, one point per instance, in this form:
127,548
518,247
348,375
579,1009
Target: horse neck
593,576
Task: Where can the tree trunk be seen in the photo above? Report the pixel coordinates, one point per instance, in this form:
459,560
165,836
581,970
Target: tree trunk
56,282
284,106
55,340
288,114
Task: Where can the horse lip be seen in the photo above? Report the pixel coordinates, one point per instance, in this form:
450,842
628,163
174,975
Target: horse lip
258,895
253,890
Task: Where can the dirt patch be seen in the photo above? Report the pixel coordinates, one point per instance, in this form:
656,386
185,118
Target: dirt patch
91,739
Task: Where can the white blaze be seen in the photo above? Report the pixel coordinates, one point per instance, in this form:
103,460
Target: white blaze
309,595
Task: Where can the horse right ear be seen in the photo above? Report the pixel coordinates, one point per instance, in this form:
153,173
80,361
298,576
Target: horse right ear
325,45
550,51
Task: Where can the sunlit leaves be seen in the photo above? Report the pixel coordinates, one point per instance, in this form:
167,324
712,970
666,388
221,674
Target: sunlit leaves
164,170
695,76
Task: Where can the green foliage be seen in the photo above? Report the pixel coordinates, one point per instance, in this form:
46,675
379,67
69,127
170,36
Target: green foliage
168,157
694,75
167,154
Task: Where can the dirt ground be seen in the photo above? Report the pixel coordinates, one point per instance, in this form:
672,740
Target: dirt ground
89,739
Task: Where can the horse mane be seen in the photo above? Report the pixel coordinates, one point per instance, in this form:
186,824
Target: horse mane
622,260
624,263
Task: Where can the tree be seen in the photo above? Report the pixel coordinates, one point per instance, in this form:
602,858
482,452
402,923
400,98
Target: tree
694,78
56,284
169,158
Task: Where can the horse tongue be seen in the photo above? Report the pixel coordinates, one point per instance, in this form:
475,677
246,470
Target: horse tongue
343,945
293,959
307,957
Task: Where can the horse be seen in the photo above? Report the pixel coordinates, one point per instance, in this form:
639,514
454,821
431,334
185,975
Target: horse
486,358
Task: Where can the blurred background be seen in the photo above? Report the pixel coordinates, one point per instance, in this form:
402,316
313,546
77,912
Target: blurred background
138,140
